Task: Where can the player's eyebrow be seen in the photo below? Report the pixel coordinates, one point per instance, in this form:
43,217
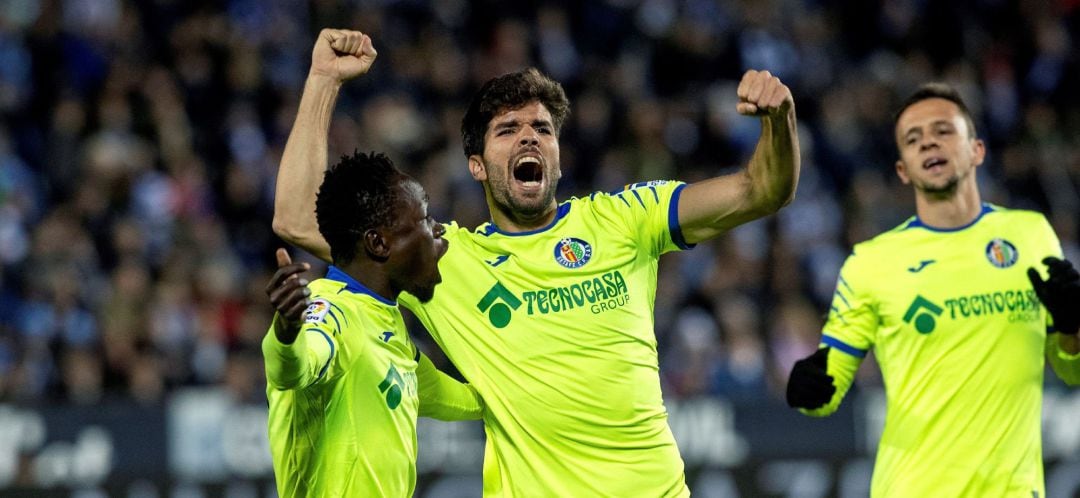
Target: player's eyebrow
917,129
509,123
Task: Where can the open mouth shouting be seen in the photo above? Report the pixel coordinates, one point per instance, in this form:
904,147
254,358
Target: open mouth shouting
528,172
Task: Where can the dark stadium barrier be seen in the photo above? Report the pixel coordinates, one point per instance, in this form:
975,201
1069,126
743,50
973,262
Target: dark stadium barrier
201,444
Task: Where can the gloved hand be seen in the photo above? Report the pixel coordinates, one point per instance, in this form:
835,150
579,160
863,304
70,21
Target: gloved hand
1060,293
809,386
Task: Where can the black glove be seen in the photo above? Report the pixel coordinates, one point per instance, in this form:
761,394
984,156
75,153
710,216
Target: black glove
809,386
1060,293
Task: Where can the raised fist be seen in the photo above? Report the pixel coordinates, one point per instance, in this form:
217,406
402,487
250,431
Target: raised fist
762,94
342,54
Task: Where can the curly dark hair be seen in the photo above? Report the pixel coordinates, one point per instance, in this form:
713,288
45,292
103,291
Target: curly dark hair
357,194
507,92
936,90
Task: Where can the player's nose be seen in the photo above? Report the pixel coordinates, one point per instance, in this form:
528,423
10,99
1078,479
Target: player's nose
529,136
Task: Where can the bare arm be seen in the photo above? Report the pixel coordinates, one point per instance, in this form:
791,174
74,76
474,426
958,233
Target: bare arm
711,207
338,56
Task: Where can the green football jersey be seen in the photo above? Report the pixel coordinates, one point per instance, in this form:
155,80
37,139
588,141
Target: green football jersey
961,338
554,328
344,396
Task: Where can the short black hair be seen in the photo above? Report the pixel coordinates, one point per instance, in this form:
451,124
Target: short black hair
507,92
357,194
937,90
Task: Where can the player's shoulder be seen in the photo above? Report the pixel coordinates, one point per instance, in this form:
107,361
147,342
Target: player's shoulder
887,240
628,195
1013,215
325,288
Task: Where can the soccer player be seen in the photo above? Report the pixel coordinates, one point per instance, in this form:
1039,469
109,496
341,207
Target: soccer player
952,311
548,309
344,382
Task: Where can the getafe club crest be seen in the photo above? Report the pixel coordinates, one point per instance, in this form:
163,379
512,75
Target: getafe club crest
1001,253
573,252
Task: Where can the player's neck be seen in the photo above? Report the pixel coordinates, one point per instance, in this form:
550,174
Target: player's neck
510,222
369,274
955,211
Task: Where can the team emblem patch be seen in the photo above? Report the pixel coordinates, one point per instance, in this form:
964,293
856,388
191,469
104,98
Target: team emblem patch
573,252
316,311
1001,253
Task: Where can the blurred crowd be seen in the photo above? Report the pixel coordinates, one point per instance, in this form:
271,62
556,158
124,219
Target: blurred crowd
139,141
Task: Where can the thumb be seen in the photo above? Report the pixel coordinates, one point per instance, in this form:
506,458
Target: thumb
1036,280
283,258
1037,283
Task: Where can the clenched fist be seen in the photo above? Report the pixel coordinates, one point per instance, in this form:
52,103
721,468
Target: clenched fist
762,94
342,54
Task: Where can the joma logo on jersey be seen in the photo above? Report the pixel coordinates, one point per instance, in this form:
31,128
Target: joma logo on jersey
573,252
600,294
923,311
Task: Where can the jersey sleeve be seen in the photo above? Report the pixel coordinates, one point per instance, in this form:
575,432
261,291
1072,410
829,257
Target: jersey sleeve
1065,365
1053,248
649,211
444,398
849,331
308,360
853,319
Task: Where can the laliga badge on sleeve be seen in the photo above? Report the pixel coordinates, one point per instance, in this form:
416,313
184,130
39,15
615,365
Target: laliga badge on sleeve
316,311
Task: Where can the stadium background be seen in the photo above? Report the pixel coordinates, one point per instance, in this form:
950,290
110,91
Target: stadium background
139,142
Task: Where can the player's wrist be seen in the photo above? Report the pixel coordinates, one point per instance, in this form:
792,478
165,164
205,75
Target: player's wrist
321,80
285,330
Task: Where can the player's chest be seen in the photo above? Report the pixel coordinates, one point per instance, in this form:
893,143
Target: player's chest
380,363
958,283
557,280
376,340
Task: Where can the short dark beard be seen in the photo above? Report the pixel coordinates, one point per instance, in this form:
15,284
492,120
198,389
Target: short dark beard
943,192
514,210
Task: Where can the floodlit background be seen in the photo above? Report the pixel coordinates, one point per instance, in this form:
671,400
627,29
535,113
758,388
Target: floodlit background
139,142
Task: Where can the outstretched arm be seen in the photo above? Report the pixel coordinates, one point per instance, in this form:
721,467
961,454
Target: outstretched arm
338,56
711,207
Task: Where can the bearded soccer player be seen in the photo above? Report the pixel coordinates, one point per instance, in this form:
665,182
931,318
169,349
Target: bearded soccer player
344,382
548,308
959,318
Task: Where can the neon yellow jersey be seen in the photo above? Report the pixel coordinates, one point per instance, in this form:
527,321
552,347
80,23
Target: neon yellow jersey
554,328
960,337
344,396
